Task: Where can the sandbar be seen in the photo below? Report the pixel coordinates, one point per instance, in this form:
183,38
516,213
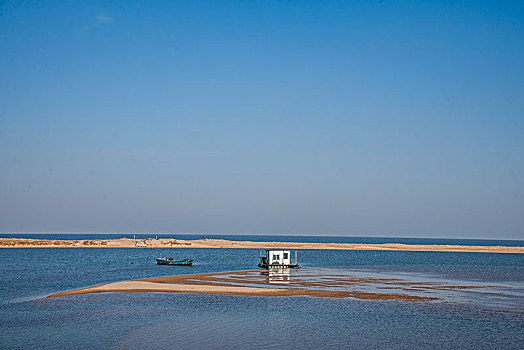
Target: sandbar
222,243
231,283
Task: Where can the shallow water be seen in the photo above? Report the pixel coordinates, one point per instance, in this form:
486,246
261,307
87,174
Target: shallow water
183,321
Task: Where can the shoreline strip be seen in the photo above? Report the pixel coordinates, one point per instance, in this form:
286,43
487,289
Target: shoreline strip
222,243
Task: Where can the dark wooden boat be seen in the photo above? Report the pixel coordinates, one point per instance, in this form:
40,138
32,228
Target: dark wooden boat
171,261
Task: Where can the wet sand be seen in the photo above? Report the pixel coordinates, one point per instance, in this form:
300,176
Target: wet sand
221,243
323,283
234,283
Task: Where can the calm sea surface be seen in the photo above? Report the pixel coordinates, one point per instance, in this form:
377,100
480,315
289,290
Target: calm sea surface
192,321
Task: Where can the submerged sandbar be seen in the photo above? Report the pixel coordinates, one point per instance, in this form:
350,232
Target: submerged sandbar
222,243
322,282
240,283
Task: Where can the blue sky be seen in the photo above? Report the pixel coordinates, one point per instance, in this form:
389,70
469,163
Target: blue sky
366,118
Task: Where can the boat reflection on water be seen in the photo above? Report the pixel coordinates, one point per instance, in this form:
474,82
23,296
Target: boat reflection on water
278,275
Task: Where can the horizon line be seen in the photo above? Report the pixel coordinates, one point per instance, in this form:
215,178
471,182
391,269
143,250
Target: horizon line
255,234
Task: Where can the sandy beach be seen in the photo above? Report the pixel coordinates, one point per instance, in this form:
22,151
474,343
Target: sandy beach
220,243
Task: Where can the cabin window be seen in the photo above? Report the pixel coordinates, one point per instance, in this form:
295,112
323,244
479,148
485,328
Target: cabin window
276,257
285,256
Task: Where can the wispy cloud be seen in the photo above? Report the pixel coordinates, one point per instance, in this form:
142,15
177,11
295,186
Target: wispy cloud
103,18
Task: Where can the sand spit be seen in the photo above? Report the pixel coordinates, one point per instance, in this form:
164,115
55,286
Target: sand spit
233,283
221,243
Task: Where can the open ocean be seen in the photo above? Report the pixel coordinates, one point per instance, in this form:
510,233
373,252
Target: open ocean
198,321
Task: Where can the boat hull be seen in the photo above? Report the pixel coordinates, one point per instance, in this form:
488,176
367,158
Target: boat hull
279,266
185,262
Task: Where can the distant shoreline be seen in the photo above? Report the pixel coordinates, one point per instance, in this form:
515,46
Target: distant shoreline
221,243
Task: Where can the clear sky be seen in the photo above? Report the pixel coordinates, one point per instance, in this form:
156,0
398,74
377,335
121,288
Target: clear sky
365,118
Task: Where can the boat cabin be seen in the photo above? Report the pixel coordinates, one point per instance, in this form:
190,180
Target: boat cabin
278,259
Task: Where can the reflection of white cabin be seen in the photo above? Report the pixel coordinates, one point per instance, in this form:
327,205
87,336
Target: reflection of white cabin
278,258
279,275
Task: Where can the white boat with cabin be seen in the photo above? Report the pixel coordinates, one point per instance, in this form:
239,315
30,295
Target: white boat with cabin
278,259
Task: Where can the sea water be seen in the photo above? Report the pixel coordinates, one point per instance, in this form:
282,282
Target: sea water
198,321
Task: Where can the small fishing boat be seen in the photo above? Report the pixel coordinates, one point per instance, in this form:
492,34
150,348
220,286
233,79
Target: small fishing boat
171,261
